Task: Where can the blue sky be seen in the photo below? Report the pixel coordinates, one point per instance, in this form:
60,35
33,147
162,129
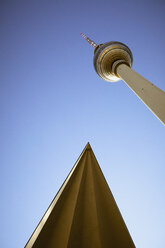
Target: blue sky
52,103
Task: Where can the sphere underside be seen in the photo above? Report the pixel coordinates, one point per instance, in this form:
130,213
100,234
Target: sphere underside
108,56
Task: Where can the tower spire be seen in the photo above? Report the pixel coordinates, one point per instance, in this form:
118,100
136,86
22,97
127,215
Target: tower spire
91,42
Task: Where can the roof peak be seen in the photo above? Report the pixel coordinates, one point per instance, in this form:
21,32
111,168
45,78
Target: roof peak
83,211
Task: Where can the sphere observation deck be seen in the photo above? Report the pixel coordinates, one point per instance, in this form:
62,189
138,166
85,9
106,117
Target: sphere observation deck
108,56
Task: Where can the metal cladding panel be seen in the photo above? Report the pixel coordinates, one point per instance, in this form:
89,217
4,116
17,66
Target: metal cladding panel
84,213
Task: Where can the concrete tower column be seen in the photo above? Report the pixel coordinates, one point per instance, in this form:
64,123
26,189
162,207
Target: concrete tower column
151,95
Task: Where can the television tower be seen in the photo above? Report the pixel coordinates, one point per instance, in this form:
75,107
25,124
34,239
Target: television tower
113,61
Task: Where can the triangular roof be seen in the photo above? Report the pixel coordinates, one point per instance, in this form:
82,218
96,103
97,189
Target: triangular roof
83,214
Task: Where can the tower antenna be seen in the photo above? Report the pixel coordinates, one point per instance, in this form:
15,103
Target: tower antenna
91,42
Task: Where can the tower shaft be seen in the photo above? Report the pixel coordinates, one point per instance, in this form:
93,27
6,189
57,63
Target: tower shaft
151,95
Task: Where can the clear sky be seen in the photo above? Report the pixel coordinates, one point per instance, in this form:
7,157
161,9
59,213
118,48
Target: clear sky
52,103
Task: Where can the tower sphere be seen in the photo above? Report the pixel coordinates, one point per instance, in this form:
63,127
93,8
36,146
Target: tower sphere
107,56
